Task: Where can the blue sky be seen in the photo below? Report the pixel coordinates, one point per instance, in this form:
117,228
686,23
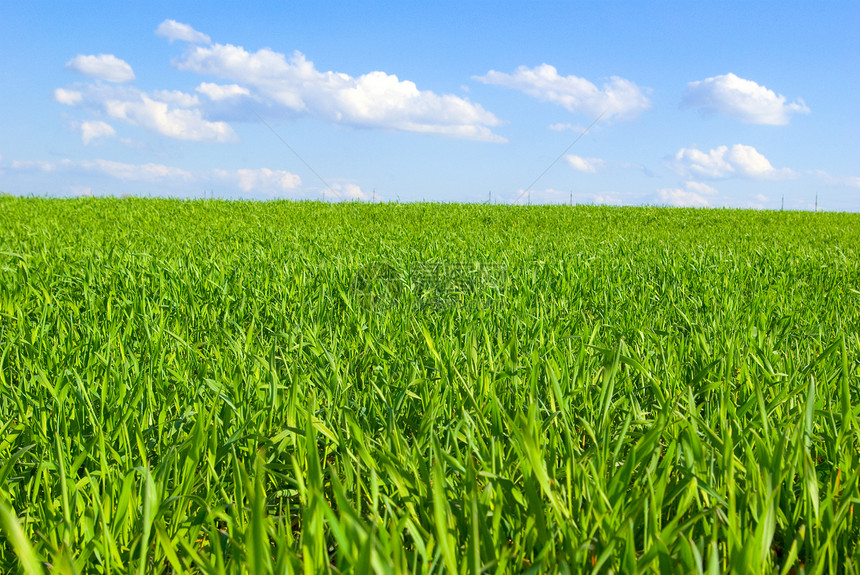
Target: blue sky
738,104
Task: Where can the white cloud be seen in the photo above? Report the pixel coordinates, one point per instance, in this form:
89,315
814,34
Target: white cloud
218,92
102,67
261,180
724,162
157,116
742,99
682,198
351,192
853,182
68,97
173,30
266,77
375,99
692,195
94,130
170,113
176,98
587,165
618,97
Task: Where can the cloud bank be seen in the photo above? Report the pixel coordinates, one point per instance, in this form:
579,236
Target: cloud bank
743,99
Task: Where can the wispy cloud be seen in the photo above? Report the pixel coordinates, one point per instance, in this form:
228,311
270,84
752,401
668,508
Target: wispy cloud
260,180
263,182
173,30
122,171
554,196
565,127
617,98
587,165
95,130
105,67
743,99
827,178
692,195
724,162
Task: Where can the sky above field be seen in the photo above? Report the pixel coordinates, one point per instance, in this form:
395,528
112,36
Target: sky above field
736,104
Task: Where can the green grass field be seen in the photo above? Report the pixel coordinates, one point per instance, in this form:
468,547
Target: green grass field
222,387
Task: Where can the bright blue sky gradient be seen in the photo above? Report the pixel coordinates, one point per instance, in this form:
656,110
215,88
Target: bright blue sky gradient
737,104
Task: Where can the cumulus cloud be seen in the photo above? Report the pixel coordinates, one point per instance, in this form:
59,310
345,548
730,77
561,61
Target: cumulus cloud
724,162
218,92
94,130
173,30
618,97
742,99
105,67
375,99
587,165
159,117
262,180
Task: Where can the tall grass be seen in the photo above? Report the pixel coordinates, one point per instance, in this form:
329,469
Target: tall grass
211,387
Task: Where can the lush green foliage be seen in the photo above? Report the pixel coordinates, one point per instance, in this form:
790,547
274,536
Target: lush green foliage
229,387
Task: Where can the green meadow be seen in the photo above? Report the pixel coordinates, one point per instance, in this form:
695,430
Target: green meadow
282,387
